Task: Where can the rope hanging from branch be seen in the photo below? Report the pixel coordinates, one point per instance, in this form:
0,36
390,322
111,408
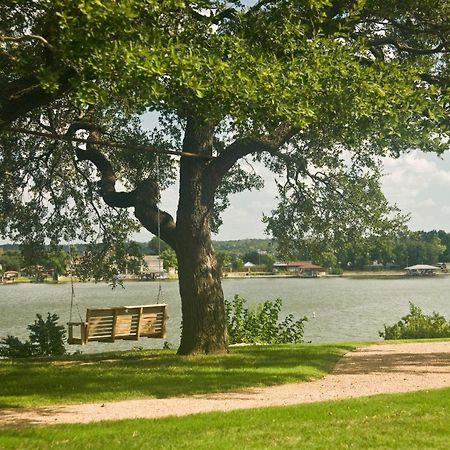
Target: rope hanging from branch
159,297
72,289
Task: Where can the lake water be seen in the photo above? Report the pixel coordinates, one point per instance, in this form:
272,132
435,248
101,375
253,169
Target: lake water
345,309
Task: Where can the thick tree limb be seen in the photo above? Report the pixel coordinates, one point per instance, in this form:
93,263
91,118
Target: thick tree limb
158,222
107,182
144,198
220,166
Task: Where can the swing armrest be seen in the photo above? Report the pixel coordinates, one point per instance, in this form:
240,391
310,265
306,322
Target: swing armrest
82,333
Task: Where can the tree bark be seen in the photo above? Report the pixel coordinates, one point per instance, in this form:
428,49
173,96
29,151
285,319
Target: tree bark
202,300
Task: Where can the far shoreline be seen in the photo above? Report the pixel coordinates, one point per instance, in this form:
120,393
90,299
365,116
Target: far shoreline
360,274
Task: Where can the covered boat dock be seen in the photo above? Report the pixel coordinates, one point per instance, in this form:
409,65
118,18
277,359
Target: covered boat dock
420,270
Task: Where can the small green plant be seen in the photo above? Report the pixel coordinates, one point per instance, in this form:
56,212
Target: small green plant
417,325
261,325
13,347
46,338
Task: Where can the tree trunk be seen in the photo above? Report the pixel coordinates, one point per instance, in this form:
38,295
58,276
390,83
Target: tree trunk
204,321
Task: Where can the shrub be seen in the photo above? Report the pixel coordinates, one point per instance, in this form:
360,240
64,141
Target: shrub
13,347
261,325
417,325
46,338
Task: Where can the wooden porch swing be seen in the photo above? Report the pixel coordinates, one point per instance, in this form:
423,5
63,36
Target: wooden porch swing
121,322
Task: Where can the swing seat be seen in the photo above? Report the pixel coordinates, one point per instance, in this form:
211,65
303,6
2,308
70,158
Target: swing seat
122,322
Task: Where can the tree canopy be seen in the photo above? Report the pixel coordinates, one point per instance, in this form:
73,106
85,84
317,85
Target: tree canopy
317,90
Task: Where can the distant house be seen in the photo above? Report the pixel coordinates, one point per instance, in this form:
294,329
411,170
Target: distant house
9,276
152,267
375,265
37,272
300,268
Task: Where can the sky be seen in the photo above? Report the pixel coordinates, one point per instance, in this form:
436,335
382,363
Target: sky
420,183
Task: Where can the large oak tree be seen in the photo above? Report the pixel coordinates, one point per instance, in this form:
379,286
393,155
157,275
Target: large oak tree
317,90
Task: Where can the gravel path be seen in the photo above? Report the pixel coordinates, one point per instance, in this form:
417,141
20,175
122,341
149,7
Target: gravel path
377,369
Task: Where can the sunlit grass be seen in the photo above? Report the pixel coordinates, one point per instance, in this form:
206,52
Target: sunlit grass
402,421
158,374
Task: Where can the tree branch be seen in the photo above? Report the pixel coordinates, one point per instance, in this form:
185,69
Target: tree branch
144,198
21,96
270,143
259,5
69,136
107,182
29,37
228,13
441,81
405,48
158,222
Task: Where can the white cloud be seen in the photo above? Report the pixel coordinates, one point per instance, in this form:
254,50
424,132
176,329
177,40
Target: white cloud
419,183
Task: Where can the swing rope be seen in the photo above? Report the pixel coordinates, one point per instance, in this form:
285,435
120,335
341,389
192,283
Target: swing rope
159,297
72,295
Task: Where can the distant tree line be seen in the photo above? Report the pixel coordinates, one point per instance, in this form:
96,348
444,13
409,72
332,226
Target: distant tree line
35,261
409,248
398,251
419,247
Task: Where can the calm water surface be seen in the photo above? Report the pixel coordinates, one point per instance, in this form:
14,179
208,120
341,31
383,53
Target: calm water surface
345,309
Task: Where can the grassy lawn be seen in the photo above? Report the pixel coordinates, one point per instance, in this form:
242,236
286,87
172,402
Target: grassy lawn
138,374
402,421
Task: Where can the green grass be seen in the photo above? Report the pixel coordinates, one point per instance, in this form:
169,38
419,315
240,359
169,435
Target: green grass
402,421
158,374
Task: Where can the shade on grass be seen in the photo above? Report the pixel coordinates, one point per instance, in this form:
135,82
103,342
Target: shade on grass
403,421
125,375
